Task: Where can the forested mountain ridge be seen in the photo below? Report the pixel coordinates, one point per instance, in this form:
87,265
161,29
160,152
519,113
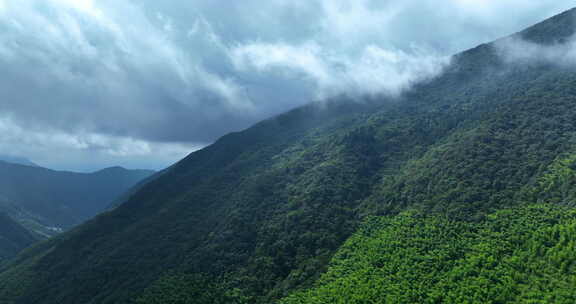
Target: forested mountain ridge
260,213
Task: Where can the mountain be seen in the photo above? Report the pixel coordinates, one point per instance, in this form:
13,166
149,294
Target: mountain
17,160
468,177
13,237
47,201
134,189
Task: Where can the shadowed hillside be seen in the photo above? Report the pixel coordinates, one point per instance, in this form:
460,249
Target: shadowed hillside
13,237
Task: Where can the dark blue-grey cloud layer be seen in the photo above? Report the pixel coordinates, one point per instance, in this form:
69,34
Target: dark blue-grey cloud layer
89,83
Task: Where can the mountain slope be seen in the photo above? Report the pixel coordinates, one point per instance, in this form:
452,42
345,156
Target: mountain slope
44,199
524,255
261,212
13,237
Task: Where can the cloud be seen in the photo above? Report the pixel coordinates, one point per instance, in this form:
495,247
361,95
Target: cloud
87,58
516,50
116,78
374,71
73,67
68,150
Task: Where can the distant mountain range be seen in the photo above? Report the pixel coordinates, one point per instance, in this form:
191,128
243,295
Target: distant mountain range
460,191
46,201
17,160
36,203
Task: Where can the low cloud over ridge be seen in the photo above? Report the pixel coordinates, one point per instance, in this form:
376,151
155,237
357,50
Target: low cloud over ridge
157,79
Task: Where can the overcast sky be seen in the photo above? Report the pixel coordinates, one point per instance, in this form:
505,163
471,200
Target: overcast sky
87,84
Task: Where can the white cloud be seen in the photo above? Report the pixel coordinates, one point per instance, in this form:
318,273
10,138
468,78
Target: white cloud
78,40
374,71
127,76
85,150
519,51
85,6
394,71
347,21
305,59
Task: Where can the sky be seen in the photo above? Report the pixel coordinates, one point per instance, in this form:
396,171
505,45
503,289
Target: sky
88,84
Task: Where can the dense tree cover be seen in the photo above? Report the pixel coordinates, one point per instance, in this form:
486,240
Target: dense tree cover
558,183
521,255
260,213
190,289
487,166
552,31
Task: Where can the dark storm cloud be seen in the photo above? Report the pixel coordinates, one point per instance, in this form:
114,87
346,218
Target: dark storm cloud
125,81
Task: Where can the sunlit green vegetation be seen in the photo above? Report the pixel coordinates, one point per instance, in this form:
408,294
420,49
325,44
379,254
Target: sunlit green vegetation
522,255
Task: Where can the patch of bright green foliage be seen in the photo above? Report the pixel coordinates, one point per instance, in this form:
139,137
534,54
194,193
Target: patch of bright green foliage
521,255
558,184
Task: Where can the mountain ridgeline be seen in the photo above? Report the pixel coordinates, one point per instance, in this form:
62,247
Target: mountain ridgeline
17,160
335,202
46,201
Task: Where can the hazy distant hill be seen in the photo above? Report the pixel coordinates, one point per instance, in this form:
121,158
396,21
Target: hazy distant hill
13,237
461,191
45,200
17,160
